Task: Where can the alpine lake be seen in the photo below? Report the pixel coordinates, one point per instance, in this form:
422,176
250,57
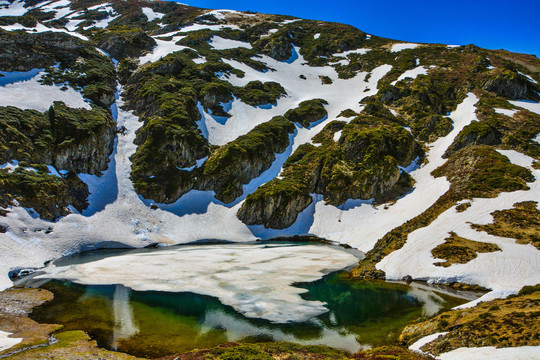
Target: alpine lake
360,314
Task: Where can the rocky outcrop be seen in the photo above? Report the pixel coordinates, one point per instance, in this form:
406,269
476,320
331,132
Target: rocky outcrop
237,163
20,51
274,206
476,133
362,164
122,42
278,47
90,156
513,86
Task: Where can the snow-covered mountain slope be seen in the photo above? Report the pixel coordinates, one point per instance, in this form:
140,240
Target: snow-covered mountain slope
238,126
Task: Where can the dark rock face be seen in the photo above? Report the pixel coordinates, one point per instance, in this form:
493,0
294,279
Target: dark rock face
476,133
279,48
90,156
124,42
513,86
278,211
243,159
22,51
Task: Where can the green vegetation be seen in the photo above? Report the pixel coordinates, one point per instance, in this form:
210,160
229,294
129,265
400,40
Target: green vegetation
363,164
307,112
266,351
502,323
480,171
256,93
49,195
458,250
241,160
123,41
521,223
77,140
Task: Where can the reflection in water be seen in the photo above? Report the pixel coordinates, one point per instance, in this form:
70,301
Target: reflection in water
124,325
157,324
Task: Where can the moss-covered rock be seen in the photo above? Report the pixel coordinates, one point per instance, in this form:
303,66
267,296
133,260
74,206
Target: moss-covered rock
49,195
507,322
512,85
275,204
256,93
123,41
480,171
307,112
362,164
241,160
476,133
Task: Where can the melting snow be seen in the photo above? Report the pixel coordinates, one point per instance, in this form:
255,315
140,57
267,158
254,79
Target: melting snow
505,112
403,46
162,49
30,94
14,9
498,270
412,74
151,14
232,273
6,342
220,43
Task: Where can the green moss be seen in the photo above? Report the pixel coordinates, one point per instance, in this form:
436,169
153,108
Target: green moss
256,93
47,194
458,250
521,223
307,112
241,160
480,171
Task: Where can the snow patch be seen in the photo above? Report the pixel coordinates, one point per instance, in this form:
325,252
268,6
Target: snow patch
162,49
31,94
151,14
497,270
425,340
220,43
13,9
403,46
7,342
412,74
506,112
493,353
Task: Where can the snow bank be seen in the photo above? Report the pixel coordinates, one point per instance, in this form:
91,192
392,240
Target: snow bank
493,353
220,43
232,273
12,9
503,271
6,342
412,74
196,27
425,340
30,94
403,46
505,112
39,28
529,105
151,14
162,49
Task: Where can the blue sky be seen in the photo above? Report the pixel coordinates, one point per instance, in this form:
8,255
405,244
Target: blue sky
511,25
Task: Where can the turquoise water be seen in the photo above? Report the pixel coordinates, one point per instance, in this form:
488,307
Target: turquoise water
154,324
